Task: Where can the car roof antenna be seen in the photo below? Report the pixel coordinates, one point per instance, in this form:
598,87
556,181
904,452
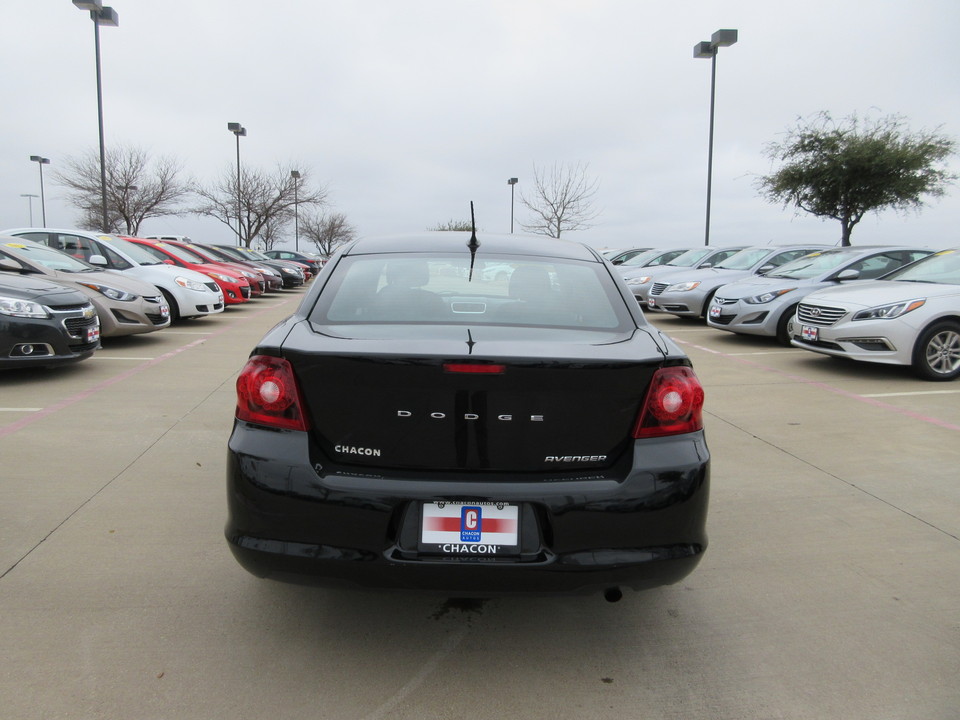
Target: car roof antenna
474,243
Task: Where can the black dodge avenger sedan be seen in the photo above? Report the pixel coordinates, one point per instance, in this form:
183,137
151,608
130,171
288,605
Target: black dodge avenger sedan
420,424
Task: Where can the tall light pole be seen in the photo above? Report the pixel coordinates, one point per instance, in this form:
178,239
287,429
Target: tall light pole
705,49
295,174
40,161
240,131
30,197
512,182
100,16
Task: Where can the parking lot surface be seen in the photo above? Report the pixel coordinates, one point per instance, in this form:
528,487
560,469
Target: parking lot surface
831,588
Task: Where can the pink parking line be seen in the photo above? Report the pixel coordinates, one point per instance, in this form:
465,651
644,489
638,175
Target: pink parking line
83,395
829,388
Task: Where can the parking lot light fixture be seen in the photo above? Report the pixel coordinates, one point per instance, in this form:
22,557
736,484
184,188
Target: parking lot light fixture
41,161
240,131
30,197
708,49
512,182
295,174
101,16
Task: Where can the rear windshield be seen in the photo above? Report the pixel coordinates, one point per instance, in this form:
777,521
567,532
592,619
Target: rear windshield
512,290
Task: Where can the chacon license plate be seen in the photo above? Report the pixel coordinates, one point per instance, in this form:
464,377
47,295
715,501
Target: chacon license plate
810,333
715,311
93,334
477,529
651,303
164,311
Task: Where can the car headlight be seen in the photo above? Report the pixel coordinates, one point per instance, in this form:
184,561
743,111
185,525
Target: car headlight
767,296
190,284
290,271
16,307
248,275
683,287
893,310
110,292
221,277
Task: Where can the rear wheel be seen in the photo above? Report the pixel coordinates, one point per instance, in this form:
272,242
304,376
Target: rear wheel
782,337
936,355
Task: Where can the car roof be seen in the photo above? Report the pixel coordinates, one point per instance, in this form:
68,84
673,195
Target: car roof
489,244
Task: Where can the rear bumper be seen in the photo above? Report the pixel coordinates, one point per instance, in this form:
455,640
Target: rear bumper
639,525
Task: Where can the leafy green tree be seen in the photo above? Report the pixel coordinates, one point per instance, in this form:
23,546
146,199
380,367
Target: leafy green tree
842,170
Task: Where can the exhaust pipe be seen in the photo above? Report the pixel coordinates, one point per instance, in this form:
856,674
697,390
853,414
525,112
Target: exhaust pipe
612,595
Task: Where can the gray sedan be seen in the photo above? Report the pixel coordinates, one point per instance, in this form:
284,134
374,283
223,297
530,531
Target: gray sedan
688,294
764,305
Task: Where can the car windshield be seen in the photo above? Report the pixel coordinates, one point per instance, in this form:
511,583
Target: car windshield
744,260
180,253
50,258
941,267
131,250
814,264
690,257
641,259
510,290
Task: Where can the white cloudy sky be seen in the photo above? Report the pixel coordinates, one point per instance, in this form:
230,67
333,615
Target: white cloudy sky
409,109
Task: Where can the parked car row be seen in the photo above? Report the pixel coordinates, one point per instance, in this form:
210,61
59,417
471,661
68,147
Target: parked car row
882,304
62,290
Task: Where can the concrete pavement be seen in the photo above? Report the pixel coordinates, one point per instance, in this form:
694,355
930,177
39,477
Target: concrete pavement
831,588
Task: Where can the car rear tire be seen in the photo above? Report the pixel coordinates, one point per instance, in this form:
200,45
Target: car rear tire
936,355
782,337
174,308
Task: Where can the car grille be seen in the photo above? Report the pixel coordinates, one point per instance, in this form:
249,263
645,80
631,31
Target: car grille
658,288
822,315
722,320
156,318
213,286
156,299
724,301
245,291
77,330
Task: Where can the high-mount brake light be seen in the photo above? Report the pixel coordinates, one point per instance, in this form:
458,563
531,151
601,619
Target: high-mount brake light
674,404
476,368
267,394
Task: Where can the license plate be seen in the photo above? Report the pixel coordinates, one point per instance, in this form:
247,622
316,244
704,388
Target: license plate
93,334
475,529
715,311
164,311
810,333
651,303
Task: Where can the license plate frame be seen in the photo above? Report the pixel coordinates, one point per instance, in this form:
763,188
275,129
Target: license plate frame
471,529
809,333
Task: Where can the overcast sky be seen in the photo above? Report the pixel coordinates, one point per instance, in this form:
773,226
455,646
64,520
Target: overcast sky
406,110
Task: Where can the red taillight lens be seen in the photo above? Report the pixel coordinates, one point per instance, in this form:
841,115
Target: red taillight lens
674,404
267,394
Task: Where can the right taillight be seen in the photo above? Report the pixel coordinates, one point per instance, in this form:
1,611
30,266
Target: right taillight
267,394
674,404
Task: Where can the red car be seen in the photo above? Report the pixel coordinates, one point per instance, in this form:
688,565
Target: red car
259,284
236,288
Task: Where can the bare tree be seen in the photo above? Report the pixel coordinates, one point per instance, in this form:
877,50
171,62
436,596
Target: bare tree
137,187
327,232
265,202
562,200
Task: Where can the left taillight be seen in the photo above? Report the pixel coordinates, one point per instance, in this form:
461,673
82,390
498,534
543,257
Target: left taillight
674,404
267,394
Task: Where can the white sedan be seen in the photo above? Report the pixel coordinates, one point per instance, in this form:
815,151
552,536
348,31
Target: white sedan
911,317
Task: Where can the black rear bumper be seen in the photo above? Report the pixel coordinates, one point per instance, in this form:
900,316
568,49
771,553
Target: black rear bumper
638,525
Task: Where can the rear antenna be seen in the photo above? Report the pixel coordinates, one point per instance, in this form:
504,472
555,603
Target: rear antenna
474,243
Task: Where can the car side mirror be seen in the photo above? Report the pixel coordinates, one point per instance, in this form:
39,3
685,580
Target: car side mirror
766,268
8,265
168,261
848,274
97,260
618,262
705,266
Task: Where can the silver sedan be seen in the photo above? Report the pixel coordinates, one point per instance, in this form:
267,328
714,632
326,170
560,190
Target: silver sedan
764,305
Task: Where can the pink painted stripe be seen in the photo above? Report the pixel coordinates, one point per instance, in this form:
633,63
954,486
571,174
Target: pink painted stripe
829,388
83,395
